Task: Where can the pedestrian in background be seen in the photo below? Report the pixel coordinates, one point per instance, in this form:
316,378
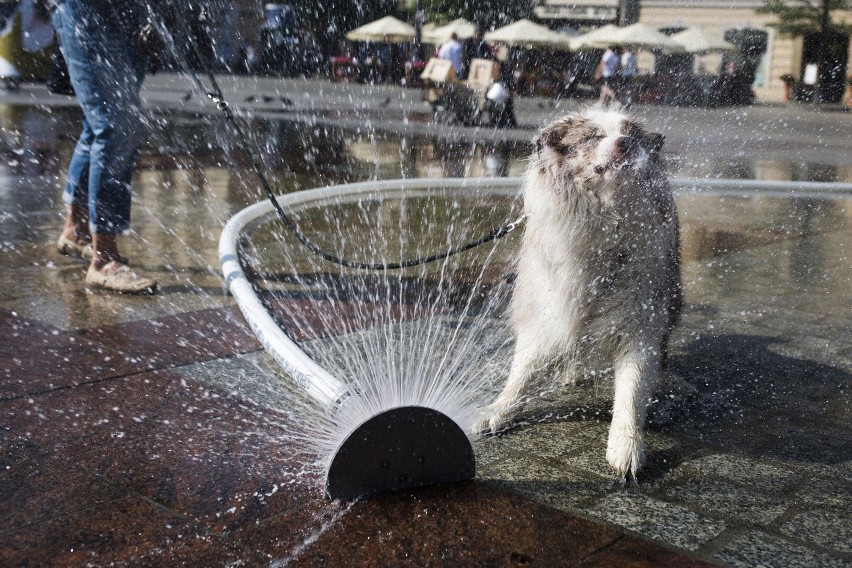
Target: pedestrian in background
451,50
106,69
475,47
608,72
627,76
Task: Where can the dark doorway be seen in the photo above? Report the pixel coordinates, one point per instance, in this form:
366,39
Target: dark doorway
832,75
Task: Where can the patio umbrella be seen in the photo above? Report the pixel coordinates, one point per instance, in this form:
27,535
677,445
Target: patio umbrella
696,40
525,33
387,29
646,37
637,34
439,35
598,38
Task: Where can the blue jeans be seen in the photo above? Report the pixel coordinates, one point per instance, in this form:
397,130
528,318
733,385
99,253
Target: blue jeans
106,69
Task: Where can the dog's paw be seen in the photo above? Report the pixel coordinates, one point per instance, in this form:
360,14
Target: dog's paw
625,452
496,419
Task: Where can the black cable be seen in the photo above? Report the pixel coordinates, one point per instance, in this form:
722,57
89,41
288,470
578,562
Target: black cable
215,95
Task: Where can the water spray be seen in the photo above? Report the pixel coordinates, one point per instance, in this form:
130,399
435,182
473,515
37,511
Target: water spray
397,448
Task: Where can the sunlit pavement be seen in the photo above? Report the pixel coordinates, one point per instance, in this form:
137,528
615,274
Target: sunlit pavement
119,447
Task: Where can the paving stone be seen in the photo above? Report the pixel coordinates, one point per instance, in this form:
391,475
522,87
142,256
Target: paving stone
37,485
829,528
592,461
460,524
833,492
177,340
731,502
36,358
208,456
756,548
556,440
254,377
634,552
130,531
740,469
74,420
548,481
657,519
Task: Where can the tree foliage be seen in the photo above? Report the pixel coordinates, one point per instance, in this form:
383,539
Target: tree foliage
489,15
804,17
331,20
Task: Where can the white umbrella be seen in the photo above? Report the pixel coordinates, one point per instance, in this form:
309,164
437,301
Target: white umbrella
696,40
387,29
462,28
641,35
598,38
637,34
527,33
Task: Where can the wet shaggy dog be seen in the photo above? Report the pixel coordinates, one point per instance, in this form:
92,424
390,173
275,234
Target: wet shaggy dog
598,277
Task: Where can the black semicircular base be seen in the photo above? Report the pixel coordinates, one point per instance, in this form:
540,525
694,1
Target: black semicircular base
401,448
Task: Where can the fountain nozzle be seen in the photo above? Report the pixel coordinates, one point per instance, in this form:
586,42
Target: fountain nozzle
401,448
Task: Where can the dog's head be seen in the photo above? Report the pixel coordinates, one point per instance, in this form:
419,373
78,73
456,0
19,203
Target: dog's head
595,146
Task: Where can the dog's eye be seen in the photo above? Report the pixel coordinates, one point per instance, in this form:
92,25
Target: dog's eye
592,140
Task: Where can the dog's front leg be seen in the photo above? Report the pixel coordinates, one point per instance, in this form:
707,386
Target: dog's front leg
636,372
498,412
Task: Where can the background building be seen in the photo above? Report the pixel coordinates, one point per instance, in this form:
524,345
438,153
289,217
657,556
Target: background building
782,55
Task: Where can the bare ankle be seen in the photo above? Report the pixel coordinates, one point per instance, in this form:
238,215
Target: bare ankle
101,260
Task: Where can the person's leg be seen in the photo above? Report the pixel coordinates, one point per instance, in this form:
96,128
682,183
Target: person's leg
75,237
105,247
114,152
76,193
605,92
106,71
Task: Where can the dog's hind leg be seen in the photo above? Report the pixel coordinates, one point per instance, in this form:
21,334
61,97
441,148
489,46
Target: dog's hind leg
637,370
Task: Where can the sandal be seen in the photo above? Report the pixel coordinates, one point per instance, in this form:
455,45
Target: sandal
121,279
69,247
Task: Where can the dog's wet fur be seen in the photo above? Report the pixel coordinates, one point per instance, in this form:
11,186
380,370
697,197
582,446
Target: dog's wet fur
598,278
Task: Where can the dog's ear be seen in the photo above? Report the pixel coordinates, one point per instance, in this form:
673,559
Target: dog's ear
655,143
564,134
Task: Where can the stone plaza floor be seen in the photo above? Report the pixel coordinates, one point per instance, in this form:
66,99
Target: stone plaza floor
121,446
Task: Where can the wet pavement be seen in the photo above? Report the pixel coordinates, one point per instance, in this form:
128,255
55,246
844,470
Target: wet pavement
125,441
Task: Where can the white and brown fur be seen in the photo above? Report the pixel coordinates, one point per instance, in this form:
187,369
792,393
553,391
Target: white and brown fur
598,277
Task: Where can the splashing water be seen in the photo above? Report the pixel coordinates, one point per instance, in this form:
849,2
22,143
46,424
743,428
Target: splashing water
433,335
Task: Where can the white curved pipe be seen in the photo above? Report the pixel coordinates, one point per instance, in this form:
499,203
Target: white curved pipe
756,187
310,376
318,383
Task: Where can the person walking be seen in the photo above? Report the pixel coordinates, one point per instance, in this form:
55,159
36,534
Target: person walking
627,75
608,69
451,50
475,47
106,69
